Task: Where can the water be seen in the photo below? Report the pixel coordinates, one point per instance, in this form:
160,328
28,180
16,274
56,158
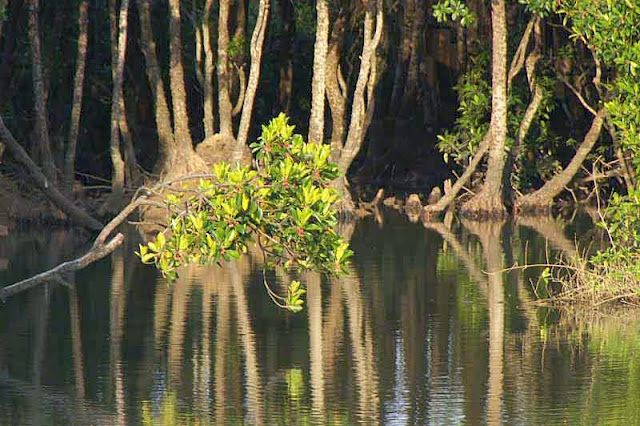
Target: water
419,333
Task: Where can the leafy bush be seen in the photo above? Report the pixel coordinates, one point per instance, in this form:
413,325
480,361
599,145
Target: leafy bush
284,206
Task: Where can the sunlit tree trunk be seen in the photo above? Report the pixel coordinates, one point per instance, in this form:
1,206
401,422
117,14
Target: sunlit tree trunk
78,85
224,76
373,24
488,202
432,211
43,149
154,75
209,117
176,78
336,86
316,122
117,65
256,49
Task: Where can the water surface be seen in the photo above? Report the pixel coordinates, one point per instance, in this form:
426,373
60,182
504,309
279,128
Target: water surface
421,332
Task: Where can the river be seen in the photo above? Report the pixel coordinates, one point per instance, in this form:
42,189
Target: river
427,329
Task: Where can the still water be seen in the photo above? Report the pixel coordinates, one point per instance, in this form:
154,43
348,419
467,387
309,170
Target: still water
421,332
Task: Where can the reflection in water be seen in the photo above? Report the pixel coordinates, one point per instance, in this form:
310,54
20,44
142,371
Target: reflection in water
427,329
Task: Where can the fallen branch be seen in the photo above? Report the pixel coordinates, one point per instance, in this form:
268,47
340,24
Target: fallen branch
96,253
99,250
49,189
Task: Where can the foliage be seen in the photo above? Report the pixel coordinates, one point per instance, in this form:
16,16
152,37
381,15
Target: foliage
285,206
453,10
474,97
237,49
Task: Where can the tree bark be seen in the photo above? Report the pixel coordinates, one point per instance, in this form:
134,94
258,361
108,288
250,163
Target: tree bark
488,202
432,211
176,77
256,49
117,66
74,212
209,117
411,83
543,197
404,55
78,86
336,87
357,128
537,96
316,122
42,127
161,108
224,98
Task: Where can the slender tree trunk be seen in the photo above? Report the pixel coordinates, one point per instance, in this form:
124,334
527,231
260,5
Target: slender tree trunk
224,76
209,117
162,114
336,87
543,197
357,128
117,179
78,85
537,96
176,77
359,113
285,80
404,55
130,163
316,122
256,49
432,211
488,202
411,83
41,128
242,90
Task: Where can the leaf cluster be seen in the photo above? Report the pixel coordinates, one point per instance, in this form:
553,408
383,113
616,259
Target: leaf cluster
285,206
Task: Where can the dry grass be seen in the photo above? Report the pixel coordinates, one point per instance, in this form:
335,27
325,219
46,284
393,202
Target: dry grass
595,282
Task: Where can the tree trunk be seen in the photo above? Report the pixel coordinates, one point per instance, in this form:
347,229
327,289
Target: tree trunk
543,197
78,85
404,54
74,212
316,122
257,43
117,66
176,77
285,80
537,96
209,120
411,83
41,128
432,211
336,87
357,128
162,114
488,202
224,98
